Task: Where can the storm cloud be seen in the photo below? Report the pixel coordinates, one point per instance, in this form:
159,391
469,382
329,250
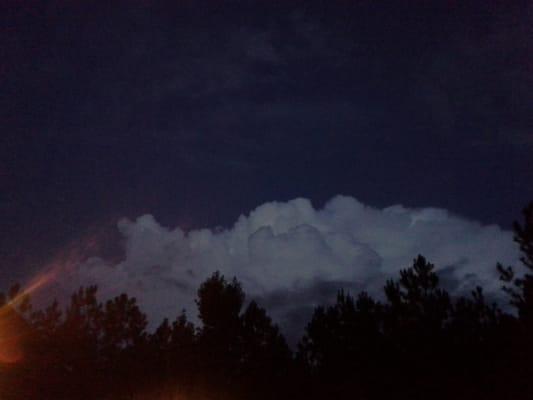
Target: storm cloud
292,256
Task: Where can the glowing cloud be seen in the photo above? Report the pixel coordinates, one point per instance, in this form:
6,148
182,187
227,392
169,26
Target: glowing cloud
292,256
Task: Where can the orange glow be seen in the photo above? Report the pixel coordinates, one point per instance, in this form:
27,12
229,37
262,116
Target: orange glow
13,328
12,325
10,336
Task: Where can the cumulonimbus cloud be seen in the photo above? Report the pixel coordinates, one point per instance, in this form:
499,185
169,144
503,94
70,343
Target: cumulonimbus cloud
292,256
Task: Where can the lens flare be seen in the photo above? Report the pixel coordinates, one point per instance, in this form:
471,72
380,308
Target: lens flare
34,285
13,327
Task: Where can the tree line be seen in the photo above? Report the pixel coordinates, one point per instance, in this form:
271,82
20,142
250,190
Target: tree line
417,343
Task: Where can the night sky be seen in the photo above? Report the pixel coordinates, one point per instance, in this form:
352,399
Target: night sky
199,111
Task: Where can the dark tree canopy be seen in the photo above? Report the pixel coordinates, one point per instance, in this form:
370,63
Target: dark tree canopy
416,342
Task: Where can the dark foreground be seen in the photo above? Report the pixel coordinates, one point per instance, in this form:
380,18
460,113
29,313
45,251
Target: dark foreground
417,344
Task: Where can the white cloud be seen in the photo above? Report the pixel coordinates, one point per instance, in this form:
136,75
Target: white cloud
292,256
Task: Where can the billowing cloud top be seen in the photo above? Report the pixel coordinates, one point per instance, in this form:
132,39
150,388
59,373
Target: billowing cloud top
291,256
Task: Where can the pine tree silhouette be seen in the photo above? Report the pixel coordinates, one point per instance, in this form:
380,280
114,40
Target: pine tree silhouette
416,342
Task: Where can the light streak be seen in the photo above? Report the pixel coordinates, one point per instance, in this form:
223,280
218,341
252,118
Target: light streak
13,327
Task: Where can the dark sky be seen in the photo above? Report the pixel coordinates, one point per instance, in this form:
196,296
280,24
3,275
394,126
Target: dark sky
199,111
